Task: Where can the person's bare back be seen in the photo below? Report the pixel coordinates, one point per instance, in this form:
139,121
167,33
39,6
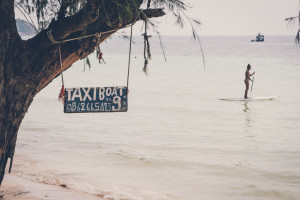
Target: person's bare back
247,79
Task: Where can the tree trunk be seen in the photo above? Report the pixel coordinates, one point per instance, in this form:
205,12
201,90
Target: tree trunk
15,96
26,67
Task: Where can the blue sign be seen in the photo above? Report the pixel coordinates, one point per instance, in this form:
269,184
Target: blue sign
96,99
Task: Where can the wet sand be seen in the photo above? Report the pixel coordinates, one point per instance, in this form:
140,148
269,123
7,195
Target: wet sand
16,188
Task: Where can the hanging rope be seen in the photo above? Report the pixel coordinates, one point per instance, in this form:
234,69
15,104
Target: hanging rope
129,59
61,95
51,38
99,55
62,75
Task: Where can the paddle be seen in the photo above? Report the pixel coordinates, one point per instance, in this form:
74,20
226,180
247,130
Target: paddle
252,85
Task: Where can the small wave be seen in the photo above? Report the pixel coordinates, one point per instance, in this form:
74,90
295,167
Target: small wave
26,168
128,156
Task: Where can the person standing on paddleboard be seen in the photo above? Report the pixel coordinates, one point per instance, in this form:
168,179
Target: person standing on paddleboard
247,80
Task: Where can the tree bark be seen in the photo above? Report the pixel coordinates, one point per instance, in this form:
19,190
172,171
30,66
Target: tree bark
26,67
14,95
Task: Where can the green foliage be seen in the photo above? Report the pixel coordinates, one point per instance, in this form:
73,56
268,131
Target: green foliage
87,61
291,22
46,10
120,10
116,12
177,8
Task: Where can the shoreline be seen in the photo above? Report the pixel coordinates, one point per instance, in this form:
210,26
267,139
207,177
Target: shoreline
16,188
29,182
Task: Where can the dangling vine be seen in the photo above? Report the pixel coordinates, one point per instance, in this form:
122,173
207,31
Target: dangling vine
147,52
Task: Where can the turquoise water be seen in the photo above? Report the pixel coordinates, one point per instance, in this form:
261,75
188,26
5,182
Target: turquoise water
177,141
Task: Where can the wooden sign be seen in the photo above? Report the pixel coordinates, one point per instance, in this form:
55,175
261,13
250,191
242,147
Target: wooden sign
95,99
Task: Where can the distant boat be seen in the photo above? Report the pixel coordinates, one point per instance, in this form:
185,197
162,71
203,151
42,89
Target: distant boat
259,38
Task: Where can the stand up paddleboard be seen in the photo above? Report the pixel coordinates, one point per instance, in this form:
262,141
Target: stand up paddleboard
249,99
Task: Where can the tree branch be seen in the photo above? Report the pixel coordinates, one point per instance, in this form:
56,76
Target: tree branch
7,19
151,13
63,10
78,49
68,25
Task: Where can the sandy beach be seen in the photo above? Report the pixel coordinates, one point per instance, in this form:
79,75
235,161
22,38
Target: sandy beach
16,188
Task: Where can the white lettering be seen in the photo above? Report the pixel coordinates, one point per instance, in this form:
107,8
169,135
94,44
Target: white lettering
101,93
102,107
97,108
94,97
82,106
75,95
121,91
69,90
116,100
86,94
114,92
107,107
73,106
108,92
69,107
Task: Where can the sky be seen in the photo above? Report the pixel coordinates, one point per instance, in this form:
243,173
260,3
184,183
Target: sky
233,17
237,17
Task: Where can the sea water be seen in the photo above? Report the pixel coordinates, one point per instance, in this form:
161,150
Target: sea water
177,140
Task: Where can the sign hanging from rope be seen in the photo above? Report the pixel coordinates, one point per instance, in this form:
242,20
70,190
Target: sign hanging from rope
96,99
